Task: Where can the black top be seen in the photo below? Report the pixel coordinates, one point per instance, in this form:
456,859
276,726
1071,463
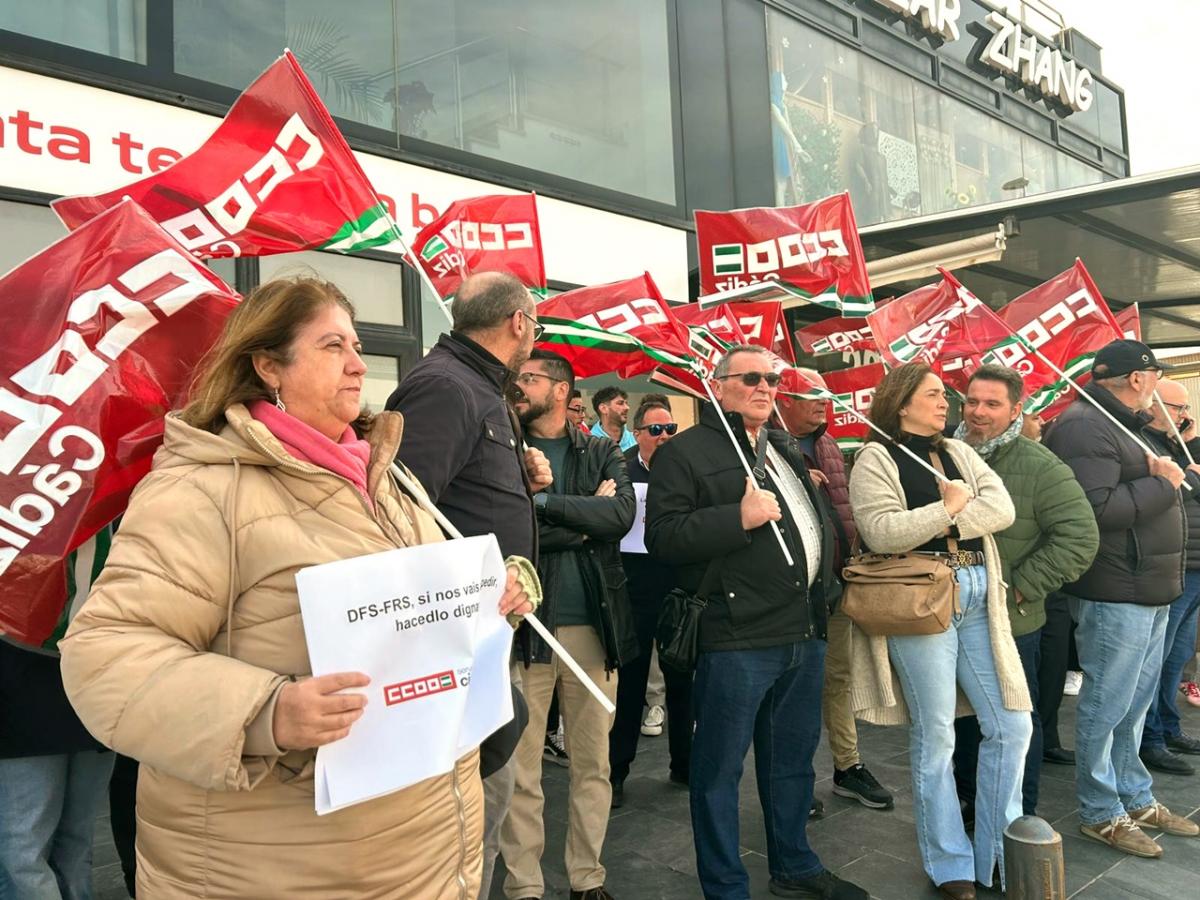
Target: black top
921,487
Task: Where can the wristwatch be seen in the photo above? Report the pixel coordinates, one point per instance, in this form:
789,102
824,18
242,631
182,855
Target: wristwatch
540,500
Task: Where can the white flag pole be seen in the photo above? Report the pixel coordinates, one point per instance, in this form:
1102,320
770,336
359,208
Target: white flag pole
426,504
887,437
1174,428
745,464
411,257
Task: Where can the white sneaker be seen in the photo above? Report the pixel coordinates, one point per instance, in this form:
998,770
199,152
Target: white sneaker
1074,683
652,724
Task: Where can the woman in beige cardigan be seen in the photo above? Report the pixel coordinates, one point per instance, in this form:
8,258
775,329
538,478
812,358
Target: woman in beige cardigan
899,506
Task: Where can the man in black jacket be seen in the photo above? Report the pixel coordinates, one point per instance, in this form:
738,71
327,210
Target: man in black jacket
462,441
581,519
1121,602
762,634
1163,733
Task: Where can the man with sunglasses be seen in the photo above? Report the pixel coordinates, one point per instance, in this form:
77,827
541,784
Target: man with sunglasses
761,657
1163,737
1121,602
648,581
463,442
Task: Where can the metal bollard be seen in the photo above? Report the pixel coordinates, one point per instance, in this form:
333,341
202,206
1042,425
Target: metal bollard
1033,861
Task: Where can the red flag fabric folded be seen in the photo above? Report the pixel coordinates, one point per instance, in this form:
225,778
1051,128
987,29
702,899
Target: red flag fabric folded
102,331
812,251
835,335
1130,321
494,233
276,176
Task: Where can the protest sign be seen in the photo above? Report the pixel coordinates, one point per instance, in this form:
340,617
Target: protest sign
635,540
423,623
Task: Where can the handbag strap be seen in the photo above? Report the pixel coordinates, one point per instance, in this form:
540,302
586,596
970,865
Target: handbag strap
936,459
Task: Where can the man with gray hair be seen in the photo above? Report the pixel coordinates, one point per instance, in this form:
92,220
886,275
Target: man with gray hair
761,655
462,440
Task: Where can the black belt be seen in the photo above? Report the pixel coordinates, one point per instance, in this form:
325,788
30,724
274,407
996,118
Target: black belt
959,559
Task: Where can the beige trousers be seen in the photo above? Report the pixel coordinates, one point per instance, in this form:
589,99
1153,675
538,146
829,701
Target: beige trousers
586,726
835,696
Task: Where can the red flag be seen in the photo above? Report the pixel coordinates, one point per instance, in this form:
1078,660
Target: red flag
1067,321
835,335
1130,322
812,251
276,176
101,333
625,327
764,324
494,233
943,325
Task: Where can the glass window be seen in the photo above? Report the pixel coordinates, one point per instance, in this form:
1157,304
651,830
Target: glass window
372,286
26,229
571,87
346,50
1111,119
383,374
115,28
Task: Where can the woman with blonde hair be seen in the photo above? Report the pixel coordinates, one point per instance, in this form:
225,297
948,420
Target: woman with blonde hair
190,656
899,506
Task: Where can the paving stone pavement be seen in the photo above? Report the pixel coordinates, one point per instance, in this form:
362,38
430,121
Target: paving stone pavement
649,854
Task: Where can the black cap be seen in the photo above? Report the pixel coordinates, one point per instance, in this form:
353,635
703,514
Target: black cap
1122,358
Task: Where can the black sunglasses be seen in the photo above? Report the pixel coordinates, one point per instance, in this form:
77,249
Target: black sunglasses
751,379
656,430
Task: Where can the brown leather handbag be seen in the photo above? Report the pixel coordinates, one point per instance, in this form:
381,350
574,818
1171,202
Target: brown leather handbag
901,593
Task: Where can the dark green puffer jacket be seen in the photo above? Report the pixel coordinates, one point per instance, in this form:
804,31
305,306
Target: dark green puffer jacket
1054,538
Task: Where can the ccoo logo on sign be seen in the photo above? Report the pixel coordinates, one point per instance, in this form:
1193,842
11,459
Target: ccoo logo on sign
416,688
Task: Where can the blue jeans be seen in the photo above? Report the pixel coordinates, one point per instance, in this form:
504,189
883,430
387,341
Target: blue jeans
967,736
771,696
1120,649
929,667
48,809
1179,643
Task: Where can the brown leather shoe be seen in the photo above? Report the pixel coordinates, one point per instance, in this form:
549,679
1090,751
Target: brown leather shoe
1122,834
957,890
1158,816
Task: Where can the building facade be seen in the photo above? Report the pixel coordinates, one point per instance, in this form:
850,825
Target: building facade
624,116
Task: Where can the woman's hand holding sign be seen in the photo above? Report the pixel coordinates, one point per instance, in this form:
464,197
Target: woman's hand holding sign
515,602
311,712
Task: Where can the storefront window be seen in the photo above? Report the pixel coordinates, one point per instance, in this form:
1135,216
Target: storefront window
25,229
844,121
570,87
115,28
373,286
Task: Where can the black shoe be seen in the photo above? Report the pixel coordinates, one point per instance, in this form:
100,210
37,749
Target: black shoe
596,893
679,778
825,886
554,751
817,809
618,794
1059,756
1183,743
1162,760
859,784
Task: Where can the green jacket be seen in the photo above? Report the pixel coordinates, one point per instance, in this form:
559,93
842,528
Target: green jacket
1054,537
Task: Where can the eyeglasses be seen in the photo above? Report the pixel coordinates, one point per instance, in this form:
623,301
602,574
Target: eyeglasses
657,429
531,377
538,328
751,379
1181,407
578,410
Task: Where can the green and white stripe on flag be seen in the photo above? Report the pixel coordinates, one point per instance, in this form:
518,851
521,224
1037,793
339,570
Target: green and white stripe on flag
374,228
83,568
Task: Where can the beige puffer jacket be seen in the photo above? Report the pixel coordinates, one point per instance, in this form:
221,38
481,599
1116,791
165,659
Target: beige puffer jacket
177,656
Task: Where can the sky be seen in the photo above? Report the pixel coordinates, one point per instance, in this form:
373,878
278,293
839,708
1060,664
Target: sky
1149,50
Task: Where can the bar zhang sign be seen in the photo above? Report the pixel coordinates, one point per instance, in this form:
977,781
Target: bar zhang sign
1011,50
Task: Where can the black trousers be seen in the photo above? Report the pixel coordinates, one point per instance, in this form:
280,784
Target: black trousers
631,697
1058,655
122,803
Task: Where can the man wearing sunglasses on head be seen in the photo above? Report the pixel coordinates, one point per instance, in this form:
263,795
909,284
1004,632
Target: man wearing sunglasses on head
648,582
761,656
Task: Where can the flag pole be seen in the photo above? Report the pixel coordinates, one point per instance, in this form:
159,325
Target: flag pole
1092,400
426,504
1174,427
411,257
745,464
887,437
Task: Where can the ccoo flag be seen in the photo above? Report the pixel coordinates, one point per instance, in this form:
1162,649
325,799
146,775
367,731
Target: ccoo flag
810,251
87,373
494,233
275,177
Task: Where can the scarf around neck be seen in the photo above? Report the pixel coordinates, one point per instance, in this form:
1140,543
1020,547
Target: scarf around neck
987,448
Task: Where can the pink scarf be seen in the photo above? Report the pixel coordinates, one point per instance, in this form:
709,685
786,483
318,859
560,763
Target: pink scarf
348,457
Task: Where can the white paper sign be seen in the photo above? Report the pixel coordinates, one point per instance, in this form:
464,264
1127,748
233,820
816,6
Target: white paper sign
423,623
635,540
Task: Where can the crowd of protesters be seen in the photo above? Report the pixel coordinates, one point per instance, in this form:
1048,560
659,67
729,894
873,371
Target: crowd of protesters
189,657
